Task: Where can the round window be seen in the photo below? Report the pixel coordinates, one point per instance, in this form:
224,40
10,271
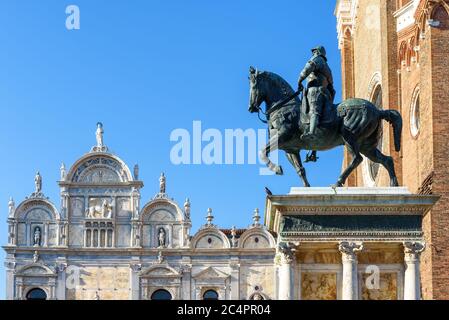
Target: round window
415,122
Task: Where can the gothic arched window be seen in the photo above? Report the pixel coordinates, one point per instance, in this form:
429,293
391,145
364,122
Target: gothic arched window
161,294
210,295
36,294
415,121
377,101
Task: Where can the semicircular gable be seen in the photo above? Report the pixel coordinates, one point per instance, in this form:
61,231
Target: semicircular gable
161,210
37,210
99,168
210,238
256,238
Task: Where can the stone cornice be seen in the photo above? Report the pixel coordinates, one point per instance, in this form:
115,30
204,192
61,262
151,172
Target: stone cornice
348,204
140,252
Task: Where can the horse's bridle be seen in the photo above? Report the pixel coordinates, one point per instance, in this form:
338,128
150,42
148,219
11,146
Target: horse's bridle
276,107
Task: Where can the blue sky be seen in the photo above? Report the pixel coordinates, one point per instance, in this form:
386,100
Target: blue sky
145,68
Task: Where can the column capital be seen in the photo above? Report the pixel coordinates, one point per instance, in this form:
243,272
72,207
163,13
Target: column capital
286,252
136,267
412,250
349,249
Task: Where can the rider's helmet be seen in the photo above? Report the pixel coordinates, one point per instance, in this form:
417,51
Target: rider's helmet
320,51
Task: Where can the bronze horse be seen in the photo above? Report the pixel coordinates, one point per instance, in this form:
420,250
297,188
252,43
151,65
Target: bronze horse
355,123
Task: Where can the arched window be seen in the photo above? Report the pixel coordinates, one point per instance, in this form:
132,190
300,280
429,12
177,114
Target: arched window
377,101
210,295
36,294
161,294
415,121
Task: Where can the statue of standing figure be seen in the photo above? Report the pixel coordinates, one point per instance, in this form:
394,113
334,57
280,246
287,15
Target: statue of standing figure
38,182
99,134
161,239
162,183
37,237
11,207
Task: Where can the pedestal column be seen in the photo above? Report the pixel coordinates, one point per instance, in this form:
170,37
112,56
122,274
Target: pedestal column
412,279
350,278
285,258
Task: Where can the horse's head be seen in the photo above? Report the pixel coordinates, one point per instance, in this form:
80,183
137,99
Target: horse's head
257,90
266,87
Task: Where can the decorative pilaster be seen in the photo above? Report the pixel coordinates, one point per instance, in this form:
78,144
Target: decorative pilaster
285,258
135,267
60,291
186,278
412,281
350,278
235,278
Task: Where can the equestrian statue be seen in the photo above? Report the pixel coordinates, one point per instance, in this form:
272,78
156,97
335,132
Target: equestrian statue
308,119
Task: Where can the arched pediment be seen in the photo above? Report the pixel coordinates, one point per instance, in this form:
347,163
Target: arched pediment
160,271
35,269
161,210
210,238
37,209
211,273
256,238
97,168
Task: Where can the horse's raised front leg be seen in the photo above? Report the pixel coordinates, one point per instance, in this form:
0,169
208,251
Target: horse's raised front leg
265,152
354,150
295,160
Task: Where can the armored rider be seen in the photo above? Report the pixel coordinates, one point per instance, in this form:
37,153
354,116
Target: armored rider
320,87
320,90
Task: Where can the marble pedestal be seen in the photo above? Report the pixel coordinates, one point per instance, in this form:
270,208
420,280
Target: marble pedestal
340,233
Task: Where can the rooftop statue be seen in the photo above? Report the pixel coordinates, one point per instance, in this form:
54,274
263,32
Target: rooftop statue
308,120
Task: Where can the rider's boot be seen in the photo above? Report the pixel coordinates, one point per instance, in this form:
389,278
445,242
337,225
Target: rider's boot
313,126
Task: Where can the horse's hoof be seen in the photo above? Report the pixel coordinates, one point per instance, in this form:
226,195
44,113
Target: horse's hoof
279,171
394,183
339,184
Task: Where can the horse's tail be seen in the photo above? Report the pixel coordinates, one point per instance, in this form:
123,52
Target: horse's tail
395,119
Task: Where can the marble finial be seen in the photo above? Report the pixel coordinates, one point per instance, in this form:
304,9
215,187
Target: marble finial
63,172
256,217
136,172
162,183
209,217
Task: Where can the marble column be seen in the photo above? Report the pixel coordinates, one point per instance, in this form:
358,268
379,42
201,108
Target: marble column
412,279
350,277
286,258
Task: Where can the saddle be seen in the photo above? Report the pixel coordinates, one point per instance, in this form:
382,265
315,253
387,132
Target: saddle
329,114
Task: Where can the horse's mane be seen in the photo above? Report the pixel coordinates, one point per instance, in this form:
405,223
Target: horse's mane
279,82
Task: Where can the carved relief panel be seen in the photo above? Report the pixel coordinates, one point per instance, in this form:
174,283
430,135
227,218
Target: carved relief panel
100,208
77,207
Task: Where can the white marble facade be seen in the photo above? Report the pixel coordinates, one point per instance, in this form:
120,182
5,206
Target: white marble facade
104,243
